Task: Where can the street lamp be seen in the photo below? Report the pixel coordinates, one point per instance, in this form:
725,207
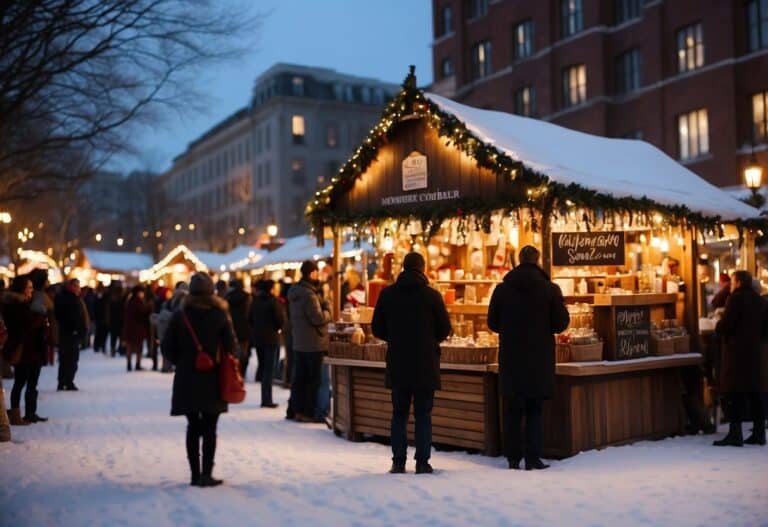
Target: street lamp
191,226
120,241
272,230
177,227
98,237
753,179
5,217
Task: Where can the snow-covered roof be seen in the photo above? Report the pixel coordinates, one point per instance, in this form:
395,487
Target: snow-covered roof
617,167
116,261
300,248
239,254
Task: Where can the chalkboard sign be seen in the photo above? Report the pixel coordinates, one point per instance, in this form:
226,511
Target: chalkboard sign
633,332
588,248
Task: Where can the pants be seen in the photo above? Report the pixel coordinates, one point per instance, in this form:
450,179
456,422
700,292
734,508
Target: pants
26,375
324,392
515,408
134,348
201,426
423,401
114,335
100,338
244,356
267,356
69,356
744,407
306,382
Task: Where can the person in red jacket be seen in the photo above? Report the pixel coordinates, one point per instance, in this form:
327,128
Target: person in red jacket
136,325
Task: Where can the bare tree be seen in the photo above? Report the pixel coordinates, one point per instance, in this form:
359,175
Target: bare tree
75,75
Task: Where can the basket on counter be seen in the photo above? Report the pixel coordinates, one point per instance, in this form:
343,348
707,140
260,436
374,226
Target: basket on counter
345,350
375,352
468,355
567,352
662,347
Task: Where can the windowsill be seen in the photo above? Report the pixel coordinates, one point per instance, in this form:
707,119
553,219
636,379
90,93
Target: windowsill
697,159
688,72
628,21
443,38
575,106
565,37
476,18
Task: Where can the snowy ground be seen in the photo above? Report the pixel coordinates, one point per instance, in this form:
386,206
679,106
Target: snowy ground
112,456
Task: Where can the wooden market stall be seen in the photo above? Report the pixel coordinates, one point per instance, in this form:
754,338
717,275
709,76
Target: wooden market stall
92,266
617,222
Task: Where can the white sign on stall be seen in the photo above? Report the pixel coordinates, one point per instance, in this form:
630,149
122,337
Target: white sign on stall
415,171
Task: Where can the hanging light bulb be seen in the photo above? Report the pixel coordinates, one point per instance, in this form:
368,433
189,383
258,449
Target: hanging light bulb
664,246
514,236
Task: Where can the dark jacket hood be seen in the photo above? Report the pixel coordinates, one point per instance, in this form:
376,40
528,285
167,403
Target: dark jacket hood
526,276
411,279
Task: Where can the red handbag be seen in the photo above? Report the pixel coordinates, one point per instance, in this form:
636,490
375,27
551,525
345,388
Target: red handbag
231,382
203,361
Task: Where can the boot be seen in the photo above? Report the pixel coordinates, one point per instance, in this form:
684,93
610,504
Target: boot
34,418
207,479
423,467
129,365
514,463
733,438
194,469
397,467
757,437
535,464
14,417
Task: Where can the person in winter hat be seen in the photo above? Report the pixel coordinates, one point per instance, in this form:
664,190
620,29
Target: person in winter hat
411,317
526,310
202,318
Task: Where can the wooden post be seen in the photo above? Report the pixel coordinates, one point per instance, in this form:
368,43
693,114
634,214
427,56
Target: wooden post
336,266
689,270
748,260
546,241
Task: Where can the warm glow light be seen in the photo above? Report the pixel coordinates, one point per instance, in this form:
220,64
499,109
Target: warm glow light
120,242
272,230
753,174
191,226
158,234
98,237
241,231
177,227
5,217
656,242
514,237
664,246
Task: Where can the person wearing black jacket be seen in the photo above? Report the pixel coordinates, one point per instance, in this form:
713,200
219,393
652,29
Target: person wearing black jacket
101,319
266,319
239,306
72,329
196,394
526,309
411,317
116,316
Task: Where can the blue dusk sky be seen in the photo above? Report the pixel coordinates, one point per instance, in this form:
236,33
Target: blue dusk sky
360,37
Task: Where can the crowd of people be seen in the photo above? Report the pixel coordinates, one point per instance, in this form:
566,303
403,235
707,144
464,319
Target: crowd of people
203,319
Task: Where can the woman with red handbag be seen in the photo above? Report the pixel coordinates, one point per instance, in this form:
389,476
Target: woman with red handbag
198,340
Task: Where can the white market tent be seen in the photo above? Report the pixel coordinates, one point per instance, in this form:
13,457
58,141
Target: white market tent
235,259
617,167
295,250
116,262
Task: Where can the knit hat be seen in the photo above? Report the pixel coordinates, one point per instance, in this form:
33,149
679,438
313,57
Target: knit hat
201,284
414,262
307,268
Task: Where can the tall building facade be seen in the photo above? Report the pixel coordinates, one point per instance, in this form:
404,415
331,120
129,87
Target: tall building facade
262,164
689,76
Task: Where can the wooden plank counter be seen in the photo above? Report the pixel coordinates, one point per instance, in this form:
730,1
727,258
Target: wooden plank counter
465,412
599,404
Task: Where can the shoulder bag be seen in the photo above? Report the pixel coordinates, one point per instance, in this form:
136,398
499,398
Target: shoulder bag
203,361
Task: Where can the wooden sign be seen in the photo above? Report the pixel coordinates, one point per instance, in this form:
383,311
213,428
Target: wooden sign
633,332
414,171
588,248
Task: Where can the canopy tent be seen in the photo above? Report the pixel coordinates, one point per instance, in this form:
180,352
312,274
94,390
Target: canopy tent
115,261
300,248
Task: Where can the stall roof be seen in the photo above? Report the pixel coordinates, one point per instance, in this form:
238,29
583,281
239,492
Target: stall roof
618,167
241,253
299,248
116,261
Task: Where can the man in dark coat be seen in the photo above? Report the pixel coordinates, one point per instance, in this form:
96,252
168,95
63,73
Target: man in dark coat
116,315
101,319
135,325
239,306
743,364
266,320
310,315
196,394
411,317
72,328
526,309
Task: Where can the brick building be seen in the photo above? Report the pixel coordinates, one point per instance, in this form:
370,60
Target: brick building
689,76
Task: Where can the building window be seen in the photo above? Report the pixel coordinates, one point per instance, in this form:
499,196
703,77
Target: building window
525,101
628,71
331,136
349,93
626,10
760,117
757,24
267,174
297,129
693,132
574,85
690,48
446,21
298,177
446,68
297,86
268,138
476,8
571,17
523,35
481,60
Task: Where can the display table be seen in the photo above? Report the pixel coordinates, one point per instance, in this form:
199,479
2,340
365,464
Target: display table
599,404
465,412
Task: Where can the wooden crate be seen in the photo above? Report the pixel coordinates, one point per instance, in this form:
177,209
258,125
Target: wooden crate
375,352
467,355
579,352
682,344
661,347
345,350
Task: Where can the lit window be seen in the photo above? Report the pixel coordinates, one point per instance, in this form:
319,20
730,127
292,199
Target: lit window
571,17
690,48
523,35
446,68
481,60
297,86
446,21
628,72
693,132
760,117
525,101
476,8
757,24
626,10
331,136
574,85
297,128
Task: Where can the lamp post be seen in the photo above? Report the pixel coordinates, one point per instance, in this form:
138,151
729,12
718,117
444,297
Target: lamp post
753,179
272,233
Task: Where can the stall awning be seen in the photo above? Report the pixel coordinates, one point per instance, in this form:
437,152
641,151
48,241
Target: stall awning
300,248
117,262
617,167
235,259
